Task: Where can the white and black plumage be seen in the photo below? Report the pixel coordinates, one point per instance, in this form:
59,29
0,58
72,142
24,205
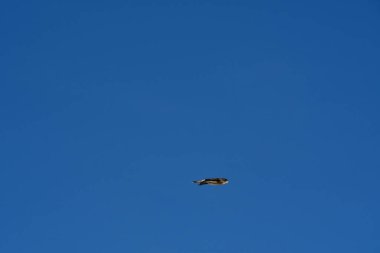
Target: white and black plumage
212,181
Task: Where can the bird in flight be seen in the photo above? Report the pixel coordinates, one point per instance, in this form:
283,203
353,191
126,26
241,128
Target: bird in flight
211,181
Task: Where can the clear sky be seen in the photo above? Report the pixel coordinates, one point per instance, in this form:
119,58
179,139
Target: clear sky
109,109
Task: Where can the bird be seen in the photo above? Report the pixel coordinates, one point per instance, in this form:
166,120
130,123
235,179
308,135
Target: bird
211,181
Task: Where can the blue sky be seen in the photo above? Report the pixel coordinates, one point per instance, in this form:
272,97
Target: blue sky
109,109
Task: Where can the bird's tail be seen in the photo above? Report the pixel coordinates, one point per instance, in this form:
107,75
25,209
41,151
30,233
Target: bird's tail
199,182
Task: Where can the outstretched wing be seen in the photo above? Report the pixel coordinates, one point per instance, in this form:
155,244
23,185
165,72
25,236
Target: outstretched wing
212,181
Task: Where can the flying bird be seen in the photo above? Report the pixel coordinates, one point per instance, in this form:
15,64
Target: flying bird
212,181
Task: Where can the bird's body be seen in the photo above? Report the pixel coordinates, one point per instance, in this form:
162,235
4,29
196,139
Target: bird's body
212,181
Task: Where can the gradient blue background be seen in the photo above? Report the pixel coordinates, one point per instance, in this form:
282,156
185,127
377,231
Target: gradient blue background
109,109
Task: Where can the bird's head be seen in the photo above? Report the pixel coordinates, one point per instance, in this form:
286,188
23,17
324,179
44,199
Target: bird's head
224,180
